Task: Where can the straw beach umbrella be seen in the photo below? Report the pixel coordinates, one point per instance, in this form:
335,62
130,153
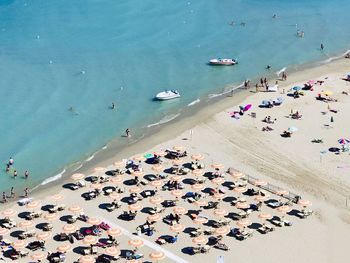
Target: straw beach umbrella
87,259
178,148
112,251
38,256
3,231
221,231
137,173
157,256
139,158
197,157
157,168
116,180
200,203
197,187
160,153
219,196
90,240
77,176
135,207
304,203
177,228
242,205
218,180
157,183
136,243
119,164
96,186
43,236
135,190
64,248
218,166
115,196
177,162
220,212
243,223
154,218
7,213
94,221
26,224
179,210
114,232
68,229
177,193
75,209
156,200
57,197
198,172
19,244
282,192
201,240
33,205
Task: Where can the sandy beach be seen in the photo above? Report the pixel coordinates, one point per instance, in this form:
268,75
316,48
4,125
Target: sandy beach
296,164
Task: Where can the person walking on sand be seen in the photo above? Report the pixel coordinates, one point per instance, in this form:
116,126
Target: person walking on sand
26,192
12,193
4,199
26,174
127,132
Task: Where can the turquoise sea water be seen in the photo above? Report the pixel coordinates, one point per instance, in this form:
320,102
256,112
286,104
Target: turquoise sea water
128,51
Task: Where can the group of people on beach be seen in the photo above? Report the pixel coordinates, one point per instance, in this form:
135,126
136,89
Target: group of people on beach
9,165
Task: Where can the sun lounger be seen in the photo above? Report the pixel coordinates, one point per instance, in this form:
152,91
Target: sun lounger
196,250
266,228
33,215
221,246
196,232
304,213
47,227
9,225
26,234
205,249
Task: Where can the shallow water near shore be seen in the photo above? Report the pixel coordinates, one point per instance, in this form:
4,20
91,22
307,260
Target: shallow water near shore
84,55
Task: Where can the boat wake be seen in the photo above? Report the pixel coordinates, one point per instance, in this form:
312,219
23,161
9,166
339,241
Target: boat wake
53,178
211,96
193,102
164,120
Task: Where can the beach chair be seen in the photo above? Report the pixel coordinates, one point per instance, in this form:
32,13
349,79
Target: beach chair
47,227
221,246
196,250
304,213
205,249
10,224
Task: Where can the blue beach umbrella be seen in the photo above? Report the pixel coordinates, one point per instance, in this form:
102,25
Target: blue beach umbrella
297,88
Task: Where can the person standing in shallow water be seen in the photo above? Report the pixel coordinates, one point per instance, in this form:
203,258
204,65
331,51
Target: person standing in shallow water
26,174
322,46
15,174
127,132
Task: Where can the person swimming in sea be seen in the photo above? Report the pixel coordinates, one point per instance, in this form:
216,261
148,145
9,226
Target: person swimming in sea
113,106
268,67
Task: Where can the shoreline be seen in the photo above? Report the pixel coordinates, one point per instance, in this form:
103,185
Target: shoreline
191,117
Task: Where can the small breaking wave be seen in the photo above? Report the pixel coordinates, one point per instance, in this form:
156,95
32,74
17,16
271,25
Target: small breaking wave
211,96
330,59
193,102
76,169
53,178
281,71
164,120
92,156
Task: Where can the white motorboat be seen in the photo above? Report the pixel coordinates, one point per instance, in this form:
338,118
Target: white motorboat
223,61
168,95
